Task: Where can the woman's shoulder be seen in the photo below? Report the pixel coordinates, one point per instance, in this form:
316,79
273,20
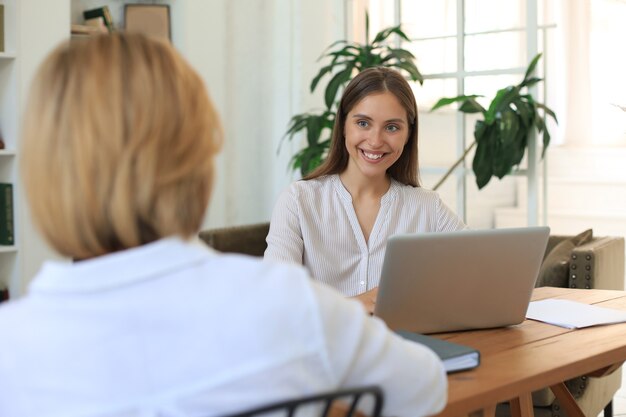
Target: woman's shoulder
259,276
246,266
417,193
311,186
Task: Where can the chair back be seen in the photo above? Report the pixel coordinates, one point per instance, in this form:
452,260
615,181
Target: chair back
247,239
342,403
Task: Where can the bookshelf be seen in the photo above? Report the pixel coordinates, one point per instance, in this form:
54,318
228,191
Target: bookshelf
24,50
9,127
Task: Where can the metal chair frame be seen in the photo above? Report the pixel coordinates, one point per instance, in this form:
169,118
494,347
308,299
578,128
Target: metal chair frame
328,399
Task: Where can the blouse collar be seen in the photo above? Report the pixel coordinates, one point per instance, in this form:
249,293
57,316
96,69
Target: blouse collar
120,268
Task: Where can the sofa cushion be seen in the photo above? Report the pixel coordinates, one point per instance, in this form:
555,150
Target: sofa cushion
554,271
246,239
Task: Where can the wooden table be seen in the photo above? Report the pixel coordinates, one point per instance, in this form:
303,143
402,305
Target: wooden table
532,355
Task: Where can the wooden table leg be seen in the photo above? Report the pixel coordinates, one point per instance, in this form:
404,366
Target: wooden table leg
566,400
522,406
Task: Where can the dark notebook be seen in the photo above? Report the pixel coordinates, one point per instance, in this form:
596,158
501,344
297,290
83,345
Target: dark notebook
455,357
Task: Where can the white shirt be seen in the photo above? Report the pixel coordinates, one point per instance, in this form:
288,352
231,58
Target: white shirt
314,224
174,329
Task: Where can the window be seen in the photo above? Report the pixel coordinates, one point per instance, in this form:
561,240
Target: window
466,47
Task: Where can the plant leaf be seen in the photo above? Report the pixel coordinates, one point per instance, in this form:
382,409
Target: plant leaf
313,130
526,112
531,66
367,28
519,148
381,35
313,124
449,100
384,34
311,157
333,86
481,165
471,106
409,67
506,133
546,142
330,46
297,123
540,123
319,75
502,137
399,54
342,52
548,111
530,82
364,58
502,100
398,31
508,125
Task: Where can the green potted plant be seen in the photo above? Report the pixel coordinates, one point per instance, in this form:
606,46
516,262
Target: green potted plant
501,136
346,59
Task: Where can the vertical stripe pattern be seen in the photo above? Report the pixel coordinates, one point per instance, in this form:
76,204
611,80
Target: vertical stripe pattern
314,224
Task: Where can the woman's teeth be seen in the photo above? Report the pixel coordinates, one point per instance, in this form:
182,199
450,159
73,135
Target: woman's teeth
372,155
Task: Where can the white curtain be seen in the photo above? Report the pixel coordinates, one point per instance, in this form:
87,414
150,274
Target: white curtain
573,72
590,76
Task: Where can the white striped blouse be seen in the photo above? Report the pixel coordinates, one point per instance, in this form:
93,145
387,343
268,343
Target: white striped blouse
314,224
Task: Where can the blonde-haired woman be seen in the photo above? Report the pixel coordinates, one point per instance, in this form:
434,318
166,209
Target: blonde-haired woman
117,158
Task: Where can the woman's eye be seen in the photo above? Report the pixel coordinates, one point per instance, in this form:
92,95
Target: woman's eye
392,128
362,123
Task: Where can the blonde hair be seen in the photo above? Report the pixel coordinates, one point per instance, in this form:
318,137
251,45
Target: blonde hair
118,143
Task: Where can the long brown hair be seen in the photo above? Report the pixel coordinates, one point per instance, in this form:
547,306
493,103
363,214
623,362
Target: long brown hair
118,145
372,81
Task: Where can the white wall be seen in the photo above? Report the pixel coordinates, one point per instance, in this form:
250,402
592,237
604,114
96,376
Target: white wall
41,27
258,58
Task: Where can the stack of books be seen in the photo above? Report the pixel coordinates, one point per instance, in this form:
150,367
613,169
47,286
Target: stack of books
96,21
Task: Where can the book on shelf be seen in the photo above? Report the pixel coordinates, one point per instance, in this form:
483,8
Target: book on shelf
91,27
4,292
7,230
455,357
102,12
2,27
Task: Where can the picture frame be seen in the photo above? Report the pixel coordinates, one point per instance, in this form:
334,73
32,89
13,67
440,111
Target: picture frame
150,19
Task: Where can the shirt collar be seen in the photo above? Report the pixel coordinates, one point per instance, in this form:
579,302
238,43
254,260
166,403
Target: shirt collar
120,268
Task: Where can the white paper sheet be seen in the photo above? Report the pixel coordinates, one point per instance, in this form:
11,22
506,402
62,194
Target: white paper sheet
573,315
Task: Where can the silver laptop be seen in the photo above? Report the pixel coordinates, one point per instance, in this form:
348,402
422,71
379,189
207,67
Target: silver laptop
470,279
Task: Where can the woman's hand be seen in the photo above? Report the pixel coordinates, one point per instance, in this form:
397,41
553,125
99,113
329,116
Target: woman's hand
368,299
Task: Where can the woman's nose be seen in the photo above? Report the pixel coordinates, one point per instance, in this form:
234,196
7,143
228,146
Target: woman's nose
375,140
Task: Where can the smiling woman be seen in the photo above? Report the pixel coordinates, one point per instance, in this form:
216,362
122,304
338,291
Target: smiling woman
376,131
370,91
337,220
